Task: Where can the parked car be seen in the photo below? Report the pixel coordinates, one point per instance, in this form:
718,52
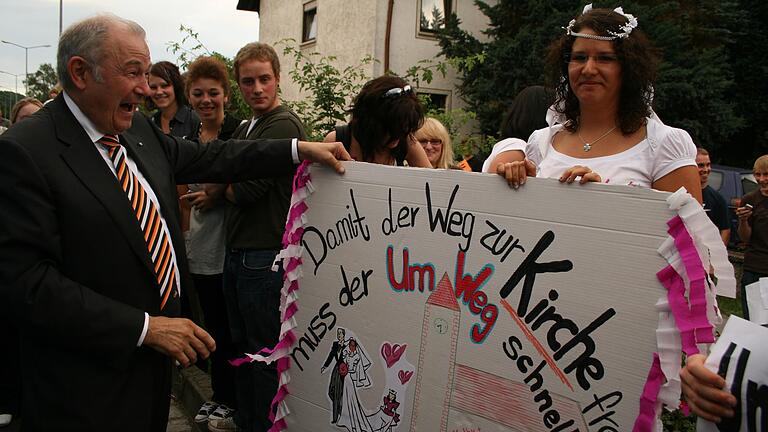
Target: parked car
732,183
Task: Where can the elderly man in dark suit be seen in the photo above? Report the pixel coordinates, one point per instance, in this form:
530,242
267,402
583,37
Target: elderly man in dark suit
92,260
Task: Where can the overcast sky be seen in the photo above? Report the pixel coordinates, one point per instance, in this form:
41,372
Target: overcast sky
221,27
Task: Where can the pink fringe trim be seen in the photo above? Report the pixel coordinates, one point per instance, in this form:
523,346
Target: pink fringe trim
697,296
287,339
691,313
690,318
647,418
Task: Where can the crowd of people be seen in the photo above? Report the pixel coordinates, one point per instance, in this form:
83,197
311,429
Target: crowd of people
100,298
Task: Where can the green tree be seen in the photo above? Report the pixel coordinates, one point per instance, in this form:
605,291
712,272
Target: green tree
7,100
695,81
329,88
493,72
41,82
746,53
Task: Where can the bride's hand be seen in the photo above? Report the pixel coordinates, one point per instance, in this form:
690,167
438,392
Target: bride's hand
586,174
516,172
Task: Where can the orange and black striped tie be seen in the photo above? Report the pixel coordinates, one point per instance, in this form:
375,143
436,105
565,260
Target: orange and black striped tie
148,216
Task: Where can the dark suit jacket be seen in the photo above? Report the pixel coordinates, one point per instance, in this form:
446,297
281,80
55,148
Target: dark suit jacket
74,270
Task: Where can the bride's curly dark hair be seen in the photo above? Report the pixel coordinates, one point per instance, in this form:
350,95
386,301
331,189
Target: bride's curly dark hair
638,59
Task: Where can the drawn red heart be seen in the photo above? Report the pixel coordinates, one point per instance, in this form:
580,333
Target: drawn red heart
404,376
392,353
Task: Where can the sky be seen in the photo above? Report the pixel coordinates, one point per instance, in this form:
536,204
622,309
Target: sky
220,26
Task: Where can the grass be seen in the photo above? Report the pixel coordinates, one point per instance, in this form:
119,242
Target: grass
729,306
675,421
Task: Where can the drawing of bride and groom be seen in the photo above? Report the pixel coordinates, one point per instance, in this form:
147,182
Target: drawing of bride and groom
350,372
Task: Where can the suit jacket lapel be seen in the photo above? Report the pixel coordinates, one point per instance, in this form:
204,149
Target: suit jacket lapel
87,164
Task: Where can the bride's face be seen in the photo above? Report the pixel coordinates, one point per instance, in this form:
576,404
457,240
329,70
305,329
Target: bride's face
352,345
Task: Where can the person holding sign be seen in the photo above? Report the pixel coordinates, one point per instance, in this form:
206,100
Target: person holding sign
705,392
385,115
603,128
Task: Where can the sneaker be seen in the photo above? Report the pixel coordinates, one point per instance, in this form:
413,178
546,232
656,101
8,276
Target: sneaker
223,425
221,412
206,410
5,419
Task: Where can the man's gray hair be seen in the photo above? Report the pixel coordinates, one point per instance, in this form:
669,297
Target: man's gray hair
86,39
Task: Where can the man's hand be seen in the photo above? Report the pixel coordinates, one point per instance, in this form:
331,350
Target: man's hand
179,338
326,153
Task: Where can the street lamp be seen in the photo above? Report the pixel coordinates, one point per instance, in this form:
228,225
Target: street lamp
26,61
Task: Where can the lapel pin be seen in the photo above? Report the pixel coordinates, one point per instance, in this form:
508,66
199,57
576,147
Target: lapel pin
141,144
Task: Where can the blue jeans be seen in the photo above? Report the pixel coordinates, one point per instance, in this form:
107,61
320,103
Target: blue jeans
252,295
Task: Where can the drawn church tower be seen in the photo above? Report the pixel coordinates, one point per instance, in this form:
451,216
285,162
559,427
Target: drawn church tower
437,357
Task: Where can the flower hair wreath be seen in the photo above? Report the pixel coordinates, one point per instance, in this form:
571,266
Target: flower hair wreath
624,32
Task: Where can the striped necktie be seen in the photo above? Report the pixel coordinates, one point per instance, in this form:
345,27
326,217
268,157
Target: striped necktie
147,214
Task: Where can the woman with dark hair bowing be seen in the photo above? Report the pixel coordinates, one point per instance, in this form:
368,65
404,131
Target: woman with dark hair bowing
604,129
173,116
385,115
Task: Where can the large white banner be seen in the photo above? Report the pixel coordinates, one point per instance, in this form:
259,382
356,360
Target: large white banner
433,300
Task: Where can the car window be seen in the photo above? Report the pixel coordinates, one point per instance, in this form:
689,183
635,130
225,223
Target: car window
748,183
715,180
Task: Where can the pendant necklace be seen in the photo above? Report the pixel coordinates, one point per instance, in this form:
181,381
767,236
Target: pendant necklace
200,134
588,146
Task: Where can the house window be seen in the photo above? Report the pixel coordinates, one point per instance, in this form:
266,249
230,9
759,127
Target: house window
434,101
432,14
309,23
